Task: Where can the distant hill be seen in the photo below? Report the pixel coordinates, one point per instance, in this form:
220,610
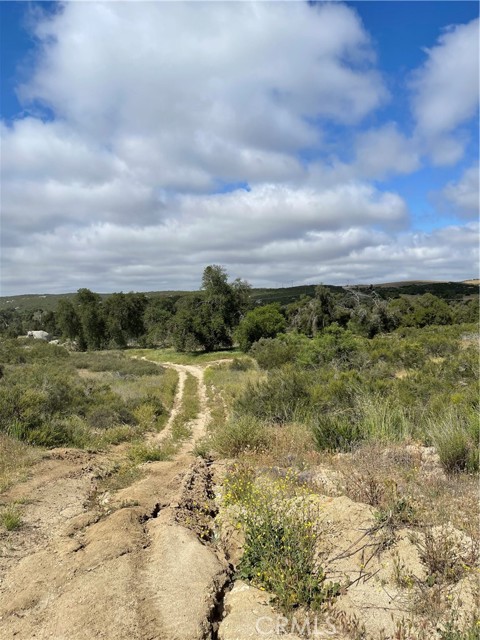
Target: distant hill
283,295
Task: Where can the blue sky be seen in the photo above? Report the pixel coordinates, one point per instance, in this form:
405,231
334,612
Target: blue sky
320,142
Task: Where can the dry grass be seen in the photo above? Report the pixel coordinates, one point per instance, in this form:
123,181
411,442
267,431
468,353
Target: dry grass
162,386
15,459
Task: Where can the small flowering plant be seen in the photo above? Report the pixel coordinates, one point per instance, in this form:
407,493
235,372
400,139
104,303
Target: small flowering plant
280,523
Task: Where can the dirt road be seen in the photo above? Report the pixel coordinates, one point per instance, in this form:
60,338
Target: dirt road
137,564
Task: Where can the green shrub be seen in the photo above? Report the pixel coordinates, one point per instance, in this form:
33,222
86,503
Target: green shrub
240,433
282,397
261,322
335,432
456,435
271,353
242,364
280,543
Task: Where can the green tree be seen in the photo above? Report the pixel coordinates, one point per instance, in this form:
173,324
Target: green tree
90,313
158,321
421,311
124,317
262,322
68,322
208,319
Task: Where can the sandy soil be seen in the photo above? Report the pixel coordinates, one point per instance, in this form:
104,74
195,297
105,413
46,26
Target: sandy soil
134,571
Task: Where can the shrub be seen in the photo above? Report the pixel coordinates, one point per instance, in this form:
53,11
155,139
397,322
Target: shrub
335,432
242,364
271,353
281,397
262,322
280,543
239,434
455,436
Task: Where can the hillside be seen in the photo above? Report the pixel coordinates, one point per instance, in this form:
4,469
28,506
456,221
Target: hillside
283,295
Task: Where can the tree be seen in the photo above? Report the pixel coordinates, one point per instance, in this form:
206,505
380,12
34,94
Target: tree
68,322
90,312
311,315
208,319
420,311
124,317
157,320
262,322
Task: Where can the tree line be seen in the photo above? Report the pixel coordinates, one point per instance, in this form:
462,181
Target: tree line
222,313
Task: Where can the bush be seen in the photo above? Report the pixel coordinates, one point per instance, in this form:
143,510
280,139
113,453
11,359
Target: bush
280,542
272,353
456,437
262,322
239,434
335,432
282,397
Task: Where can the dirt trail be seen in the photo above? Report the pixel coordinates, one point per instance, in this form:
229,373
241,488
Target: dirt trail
143,570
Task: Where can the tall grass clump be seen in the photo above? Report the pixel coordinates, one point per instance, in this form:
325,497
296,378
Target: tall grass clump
280,527
455,435
283,396
335,431
382,418
10,517
143,452
239,434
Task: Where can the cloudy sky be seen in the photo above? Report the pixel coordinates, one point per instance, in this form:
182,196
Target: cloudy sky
290,142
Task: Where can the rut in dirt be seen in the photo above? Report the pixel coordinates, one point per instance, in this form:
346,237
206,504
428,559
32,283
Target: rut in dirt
148,570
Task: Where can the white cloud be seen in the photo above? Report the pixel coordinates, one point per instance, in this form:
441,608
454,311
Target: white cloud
205,90
172,256
382,151
446,91
158,105
463,196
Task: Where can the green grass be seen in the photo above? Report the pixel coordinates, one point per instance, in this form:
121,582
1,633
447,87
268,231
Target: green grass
195,357
143,452
114,361
10,517
190,408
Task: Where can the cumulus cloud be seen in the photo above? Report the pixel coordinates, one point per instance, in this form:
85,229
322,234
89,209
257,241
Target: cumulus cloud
445,91
213,90
463,195
383,151
170,257
160,107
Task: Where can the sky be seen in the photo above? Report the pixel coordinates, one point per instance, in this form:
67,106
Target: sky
290,142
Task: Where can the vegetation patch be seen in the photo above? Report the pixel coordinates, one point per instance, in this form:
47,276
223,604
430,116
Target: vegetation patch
280,528
10,517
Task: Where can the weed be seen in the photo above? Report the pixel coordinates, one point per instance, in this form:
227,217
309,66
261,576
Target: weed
447,559
152,453
10,517
239,434
202,448
280,542
456,436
